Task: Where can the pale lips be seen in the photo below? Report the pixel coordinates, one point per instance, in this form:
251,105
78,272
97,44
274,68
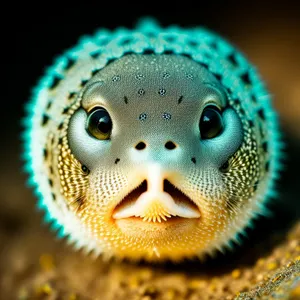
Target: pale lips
156,205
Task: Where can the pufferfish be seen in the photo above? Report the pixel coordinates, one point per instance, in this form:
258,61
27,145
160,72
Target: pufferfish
152,143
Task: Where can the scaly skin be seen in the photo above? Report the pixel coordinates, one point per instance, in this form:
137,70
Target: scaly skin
156,188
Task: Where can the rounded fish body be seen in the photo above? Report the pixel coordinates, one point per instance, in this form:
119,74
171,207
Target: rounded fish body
153,143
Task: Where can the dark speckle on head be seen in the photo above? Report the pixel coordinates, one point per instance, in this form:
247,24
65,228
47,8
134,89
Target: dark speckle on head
49,104
214,44
141,92
139,76
45,119
162,91
169,52
255,185
236,102
170,38
149,51
190,76
103,41
65,110
95,54
71,95
246,78
70,63
192,43
45,153
94,72
251,123
55,82
116,78
126,41
261,114
232,59
83,82
265,146
253,99
166,116
166,75
143,117
267,166
218,76
205,65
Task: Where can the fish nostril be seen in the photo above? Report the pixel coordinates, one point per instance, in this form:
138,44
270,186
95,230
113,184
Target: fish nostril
170,145
140,146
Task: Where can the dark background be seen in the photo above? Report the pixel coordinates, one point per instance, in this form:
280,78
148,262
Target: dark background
268,33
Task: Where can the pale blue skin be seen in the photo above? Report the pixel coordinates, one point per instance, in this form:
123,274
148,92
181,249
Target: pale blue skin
218,76
180,128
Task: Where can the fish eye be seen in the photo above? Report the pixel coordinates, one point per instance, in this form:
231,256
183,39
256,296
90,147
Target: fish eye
99,123
211,122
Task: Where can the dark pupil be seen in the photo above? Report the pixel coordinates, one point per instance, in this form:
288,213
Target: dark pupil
100,124
104,124
211,123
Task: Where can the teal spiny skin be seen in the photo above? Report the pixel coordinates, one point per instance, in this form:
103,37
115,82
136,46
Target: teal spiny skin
153,143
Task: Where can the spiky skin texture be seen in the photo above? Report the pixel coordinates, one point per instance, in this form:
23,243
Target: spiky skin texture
155,83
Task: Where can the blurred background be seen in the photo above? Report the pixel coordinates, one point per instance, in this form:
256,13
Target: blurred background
268,33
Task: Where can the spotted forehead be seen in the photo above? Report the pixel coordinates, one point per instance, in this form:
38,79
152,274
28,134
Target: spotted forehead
144,79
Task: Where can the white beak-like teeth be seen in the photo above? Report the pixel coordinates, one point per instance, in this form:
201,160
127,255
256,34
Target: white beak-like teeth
156,206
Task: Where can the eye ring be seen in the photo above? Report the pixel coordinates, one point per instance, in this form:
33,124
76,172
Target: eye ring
211,122
99,123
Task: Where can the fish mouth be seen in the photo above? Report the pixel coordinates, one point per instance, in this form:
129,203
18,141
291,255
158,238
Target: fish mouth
156,205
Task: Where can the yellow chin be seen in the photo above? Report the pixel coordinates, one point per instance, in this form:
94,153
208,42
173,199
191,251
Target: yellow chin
159,232
174,239
156,223
171,239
